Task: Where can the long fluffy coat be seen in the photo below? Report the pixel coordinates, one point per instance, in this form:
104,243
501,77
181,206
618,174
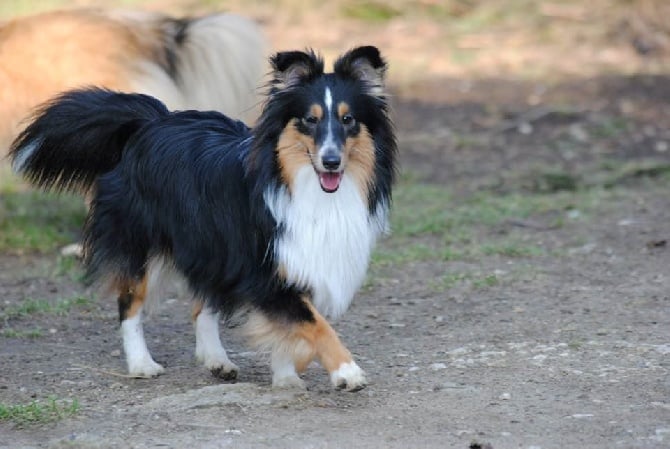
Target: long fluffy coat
279,219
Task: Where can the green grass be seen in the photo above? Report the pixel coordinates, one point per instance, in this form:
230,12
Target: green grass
486,281
370,11
69,267
430,223
9,8
404,251
450,280
36,221
421,209
610,127
551,181
472,280
30,307
512,249
622,174
38,412
14,333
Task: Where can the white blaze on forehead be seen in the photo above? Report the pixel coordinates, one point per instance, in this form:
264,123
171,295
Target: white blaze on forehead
329,141
328,100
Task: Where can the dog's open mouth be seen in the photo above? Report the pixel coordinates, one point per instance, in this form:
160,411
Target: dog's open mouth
330,181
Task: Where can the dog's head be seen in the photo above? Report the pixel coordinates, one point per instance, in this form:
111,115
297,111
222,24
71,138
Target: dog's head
328,120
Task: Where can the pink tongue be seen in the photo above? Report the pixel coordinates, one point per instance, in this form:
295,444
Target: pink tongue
330,181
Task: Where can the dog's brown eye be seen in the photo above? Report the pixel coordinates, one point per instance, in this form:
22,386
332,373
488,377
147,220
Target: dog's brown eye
347,120
310,120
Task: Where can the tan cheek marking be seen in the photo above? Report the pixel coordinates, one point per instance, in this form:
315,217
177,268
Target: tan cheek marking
292,152
360,157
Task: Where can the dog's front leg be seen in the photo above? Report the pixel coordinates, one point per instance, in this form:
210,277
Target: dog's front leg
332,354
208,347
293,345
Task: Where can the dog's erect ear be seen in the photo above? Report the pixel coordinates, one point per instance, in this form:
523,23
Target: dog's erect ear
293,67
365,64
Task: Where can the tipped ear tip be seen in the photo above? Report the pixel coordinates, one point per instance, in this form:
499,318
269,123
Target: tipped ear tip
282,60
371,53
372,50
293,67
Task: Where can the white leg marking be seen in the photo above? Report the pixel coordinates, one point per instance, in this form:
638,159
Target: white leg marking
208,347
348,376
284,374
140,363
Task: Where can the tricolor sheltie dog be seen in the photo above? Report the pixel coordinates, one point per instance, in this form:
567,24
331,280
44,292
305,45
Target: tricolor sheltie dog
211,62
277,221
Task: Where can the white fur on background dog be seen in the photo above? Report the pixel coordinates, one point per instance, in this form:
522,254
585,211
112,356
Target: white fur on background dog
327,240
224,80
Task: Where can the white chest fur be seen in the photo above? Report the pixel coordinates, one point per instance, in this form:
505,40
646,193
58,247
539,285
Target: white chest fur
327,238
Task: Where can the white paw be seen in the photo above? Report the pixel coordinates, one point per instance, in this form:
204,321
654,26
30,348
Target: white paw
219,365
349,376
291,381
144,367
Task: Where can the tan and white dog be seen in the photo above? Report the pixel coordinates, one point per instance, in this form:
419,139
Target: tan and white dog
212,62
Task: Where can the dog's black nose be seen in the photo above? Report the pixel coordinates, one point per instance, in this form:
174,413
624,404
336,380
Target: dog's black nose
331,161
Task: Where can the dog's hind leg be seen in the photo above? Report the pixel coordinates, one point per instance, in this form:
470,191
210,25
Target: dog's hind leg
208,347
131,299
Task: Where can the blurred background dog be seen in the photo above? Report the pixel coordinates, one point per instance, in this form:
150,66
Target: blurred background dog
211,62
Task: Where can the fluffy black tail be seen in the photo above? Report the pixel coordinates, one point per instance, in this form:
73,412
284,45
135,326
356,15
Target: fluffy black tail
80,135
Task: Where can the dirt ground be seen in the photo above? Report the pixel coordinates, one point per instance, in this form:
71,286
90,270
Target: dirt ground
568,349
